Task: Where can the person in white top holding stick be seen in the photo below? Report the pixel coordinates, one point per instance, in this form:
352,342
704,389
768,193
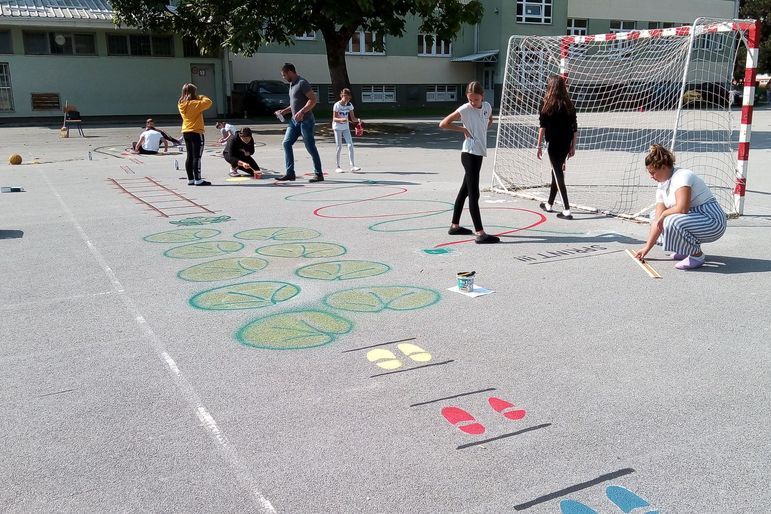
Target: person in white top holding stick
477,117
687,213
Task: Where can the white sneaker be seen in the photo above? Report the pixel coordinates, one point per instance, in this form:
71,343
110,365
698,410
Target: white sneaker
338,170
355,169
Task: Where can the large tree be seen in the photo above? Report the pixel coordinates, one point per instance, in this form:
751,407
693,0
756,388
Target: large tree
243,26
760,10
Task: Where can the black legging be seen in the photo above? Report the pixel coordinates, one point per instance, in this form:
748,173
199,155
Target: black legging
469,189
194,146
247,159
558,154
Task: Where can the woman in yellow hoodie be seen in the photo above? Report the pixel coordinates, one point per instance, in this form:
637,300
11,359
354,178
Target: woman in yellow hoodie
191,106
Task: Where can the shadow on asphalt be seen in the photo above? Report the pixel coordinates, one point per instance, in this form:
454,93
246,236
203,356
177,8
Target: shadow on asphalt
734,265
597,238
11,234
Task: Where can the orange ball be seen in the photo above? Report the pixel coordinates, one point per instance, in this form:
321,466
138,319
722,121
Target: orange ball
15,159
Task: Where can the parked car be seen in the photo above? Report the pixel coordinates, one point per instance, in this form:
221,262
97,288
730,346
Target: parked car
266,96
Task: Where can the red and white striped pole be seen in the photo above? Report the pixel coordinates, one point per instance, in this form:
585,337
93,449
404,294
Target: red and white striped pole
748,99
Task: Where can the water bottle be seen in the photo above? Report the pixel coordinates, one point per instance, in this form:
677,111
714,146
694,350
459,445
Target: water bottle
280,117
176,164
89,156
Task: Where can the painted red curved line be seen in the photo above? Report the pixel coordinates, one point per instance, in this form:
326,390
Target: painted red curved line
317,212
541,220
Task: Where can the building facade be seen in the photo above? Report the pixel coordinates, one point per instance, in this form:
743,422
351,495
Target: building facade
417,73
52,56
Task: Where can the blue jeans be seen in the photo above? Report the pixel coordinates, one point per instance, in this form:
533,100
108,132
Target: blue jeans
293,131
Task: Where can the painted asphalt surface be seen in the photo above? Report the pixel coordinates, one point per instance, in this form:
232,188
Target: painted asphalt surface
139,376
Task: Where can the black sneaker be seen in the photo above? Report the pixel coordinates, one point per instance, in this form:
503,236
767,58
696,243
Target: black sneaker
460,231
285,178
542,205
565,216
317,178
487,239
203,183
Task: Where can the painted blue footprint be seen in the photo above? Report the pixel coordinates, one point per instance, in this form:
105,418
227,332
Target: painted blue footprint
622,497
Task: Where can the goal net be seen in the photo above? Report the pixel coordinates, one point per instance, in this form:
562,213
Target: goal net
671,86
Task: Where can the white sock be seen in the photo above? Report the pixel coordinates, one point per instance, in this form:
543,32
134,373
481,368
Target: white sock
548,206
566,212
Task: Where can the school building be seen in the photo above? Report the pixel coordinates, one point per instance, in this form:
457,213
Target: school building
52,55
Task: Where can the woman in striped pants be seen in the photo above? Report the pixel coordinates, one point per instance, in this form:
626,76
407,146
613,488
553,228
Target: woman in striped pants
687,213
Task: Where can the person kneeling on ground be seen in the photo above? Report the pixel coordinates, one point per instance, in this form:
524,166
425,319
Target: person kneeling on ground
150,142
687,213
238,152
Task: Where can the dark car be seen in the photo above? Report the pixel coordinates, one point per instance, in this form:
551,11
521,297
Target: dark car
266,96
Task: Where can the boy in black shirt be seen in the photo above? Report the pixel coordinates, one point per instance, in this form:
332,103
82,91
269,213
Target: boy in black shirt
238,152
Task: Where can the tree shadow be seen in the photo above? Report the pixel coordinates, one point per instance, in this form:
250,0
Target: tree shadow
726,265
11,234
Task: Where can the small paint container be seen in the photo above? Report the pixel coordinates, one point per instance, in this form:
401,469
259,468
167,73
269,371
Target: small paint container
257,174
466,281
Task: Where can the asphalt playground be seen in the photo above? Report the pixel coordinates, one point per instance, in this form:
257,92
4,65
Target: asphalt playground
254,347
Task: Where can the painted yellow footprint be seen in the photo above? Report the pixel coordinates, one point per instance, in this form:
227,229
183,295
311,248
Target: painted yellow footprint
386,359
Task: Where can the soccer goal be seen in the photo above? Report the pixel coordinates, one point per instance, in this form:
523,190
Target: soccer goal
671,86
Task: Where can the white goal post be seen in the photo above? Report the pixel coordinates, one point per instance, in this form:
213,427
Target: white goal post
671,86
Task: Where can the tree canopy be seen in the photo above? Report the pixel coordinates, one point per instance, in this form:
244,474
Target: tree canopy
760,10
243,26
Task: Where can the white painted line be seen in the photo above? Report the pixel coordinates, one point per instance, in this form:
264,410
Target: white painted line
184,386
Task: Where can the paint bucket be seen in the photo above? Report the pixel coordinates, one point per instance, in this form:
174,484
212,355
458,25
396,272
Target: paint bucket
257,174
466,281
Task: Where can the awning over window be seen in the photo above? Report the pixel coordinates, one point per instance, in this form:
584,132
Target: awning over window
484,56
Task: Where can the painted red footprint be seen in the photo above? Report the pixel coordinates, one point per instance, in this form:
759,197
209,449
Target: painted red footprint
505,408
464,421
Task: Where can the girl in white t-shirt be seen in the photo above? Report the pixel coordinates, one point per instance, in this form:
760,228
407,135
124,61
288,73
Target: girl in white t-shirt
477,117
342,111
687,213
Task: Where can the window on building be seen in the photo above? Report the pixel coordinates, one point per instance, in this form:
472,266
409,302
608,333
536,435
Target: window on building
577,27
191,49
534,11
441,93
332,95
306,36
430,45
6,95
140,45
58,43
620,48
45,102
364,43
621,26
661,25
378,94
6,45
534,70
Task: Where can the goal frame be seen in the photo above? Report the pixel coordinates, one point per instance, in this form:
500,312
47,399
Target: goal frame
700,26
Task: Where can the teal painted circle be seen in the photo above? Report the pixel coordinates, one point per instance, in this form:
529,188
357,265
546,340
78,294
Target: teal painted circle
342,270
182,235
201,220
312,250
246,295
203,250
278,234
222,269
381,298
293,330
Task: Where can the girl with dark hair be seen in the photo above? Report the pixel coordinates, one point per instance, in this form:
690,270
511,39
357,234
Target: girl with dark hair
558,125
476,116
687,213
191,106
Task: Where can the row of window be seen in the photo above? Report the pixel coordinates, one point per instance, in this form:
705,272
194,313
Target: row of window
579,27
384,93
82,43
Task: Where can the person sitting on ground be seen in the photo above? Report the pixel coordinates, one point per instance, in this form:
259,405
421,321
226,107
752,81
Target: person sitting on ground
687,213
150,142
238,152
227,130
150,125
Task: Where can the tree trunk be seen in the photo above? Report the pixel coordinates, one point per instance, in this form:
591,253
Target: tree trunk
337,43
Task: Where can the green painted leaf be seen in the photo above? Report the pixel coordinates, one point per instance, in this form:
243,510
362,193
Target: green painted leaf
201,220
223,269
302,250
342,270
203,250
278,234
182,235
293,330
247,295
380,298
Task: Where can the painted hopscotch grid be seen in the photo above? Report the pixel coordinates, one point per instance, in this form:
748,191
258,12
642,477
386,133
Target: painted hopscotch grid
166,202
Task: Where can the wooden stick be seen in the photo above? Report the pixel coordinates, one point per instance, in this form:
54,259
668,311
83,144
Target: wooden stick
644,265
